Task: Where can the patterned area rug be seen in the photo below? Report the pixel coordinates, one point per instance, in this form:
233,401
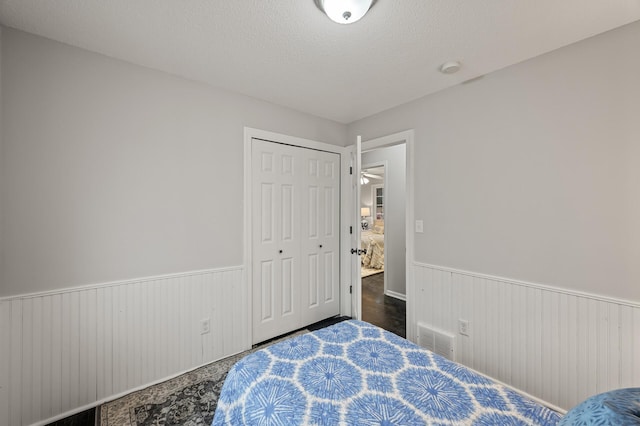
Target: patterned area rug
189,399
367,271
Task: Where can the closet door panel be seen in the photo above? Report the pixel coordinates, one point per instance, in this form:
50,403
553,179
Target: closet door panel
276,240
331,235
320,244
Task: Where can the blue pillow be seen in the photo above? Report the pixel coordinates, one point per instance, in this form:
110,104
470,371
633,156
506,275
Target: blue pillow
619,407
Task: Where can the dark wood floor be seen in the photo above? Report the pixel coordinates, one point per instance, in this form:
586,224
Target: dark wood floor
86,418
383,311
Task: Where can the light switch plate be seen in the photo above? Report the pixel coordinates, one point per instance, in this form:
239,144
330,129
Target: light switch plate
419,226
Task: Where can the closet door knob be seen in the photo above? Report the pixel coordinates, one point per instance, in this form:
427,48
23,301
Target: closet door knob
280,251
320,245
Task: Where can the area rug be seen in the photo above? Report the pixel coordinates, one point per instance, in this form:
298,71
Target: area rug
368,272
189,399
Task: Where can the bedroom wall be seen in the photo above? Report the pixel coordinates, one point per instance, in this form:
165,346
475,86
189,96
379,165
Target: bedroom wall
118,171
394,221
122,224
527,179
530,172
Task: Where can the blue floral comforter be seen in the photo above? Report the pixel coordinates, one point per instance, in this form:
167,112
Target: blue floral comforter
354,373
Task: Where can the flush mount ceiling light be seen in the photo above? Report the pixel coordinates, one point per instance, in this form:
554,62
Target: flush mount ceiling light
344,11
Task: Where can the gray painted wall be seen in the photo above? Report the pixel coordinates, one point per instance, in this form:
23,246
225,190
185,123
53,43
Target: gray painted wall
114,171
532,172
394,221
2,177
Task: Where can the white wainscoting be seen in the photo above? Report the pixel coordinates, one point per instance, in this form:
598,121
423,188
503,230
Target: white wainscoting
560,346
70,349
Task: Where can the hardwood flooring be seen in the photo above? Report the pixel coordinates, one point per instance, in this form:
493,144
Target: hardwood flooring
85,418
384,311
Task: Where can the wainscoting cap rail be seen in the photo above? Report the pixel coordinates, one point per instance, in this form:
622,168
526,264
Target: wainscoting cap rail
121,282
521,283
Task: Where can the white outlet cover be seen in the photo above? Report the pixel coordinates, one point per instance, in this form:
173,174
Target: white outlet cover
205,326
463,327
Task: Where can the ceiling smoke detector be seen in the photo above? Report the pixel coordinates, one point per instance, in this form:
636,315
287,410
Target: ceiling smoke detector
450,67
344,11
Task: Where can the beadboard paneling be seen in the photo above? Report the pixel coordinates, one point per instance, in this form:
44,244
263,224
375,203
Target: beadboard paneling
557,345
65,350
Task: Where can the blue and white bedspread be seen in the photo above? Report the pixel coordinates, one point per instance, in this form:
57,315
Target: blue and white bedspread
354,373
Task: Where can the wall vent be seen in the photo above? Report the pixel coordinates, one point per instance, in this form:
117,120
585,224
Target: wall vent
438,341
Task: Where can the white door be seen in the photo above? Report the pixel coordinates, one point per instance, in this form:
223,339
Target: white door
276,239
356,272
295,199
320,216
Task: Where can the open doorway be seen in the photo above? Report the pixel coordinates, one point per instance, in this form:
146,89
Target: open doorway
372,212
382,207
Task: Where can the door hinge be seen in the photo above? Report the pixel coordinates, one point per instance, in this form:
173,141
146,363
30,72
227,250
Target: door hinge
350,170
351,229
350,289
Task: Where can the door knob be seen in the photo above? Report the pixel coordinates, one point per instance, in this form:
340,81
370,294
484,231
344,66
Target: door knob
320,245
280,251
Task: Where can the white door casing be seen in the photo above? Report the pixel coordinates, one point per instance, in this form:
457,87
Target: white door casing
295,195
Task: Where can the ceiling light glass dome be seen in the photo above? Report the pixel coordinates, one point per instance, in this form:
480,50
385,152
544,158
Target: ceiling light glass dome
344,11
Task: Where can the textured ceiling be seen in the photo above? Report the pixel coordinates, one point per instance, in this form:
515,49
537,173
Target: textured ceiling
287,52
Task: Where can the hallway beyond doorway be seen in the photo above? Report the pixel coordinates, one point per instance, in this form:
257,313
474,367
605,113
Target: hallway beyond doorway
384,311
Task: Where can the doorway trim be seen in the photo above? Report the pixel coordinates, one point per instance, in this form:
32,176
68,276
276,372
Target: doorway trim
407,137
249,135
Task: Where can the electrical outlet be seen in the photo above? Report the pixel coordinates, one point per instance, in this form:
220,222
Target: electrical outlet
463,327
205,326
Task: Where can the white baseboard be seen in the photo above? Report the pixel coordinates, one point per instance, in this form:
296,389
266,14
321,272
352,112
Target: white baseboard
396,295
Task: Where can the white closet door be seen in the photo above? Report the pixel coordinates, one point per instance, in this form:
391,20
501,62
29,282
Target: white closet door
296,204
320,263
276,240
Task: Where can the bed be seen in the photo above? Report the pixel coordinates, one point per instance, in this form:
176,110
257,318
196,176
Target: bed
356,373
373,242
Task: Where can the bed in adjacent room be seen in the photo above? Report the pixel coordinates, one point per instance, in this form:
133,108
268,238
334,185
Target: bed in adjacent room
373,242
356,373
